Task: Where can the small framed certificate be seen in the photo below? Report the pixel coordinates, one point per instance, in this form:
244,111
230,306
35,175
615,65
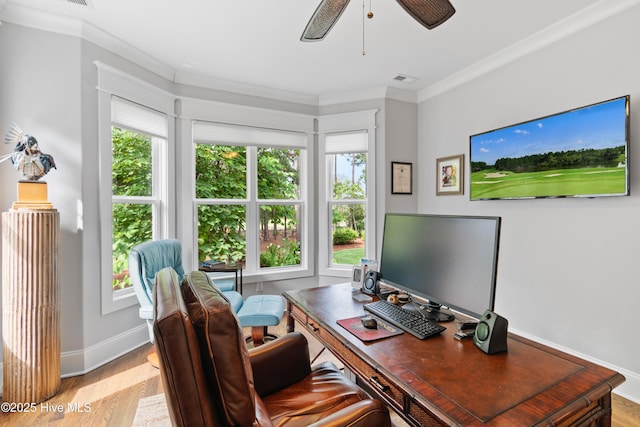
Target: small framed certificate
401,178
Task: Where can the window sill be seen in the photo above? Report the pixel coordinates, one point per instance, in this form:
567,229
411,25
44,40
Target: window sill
119,300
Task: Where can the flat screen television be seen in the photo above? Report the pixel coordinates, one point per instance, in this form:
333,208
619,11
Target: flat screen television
578,153
448,261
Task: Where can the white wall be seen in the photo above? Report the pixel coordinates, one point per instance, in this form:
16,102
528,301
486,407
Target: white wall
568,271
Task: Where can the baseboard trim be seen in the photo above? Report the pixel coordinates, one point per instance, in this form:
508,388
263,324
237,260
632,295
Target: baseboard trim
80,362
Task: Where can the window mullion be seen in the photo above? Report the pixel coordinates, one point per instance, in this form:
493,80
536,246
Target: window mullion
253,212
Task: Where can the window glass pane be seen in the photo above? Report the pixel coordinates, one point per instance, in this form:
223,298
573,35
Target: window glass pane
131,225
221,172
278,173
280,235
348,176
131,163
222,233
348,221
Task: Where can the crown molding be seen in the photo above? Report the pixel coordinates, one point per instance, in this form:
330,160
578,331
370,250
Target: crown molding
25,16
46,21
353,96
216,83
586,17
402,95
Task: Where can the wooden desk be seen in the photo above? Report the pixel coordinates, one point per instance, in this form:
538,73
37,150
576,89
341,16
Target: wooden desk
443,381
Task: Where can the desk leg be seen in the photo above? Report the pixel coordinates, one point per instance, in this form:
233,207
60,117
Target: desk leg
290,321
605,404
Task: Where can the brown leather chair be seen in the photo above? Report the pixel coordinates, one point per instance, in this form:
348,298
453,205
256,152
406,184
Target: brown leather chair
210,378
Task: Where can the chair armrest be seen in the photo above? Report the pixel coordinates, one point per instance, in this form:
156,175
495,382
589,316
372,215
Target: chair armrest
280,363
365,413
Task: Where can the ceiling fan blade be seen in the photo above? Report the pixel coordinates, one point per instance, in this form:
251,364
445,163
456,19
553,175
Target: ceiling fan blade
429,13
323,19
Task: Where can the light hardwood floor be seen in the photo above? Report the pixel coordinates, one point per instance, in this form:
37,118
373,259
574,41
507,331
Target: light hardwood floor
112,392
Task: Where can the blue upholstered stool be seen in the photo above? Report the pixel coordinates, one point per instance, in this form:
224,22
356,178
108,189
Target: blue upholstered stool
259,312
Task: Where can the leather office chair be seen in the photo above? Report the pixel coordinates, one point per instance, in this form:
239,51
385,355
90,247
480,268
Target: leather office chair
211,378
145,260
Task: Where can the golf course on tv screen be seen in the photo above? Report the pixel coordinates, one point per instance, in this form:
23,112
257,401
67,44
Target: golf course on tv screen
577,153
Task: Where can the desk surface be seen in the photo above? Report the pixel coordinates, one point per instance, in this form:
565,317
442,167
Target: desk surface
456,382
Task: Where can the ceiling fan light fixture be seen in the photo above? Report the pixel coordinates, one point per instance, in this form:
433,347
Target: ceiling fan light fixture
323,19
429,13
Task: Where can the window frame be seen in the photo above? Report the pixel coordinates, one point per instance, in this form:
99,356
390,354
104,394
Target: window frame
340,124
113,82
194,111
252,204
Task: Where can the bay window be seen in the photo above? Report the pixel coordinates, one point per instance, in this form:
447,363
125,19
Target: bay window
251,197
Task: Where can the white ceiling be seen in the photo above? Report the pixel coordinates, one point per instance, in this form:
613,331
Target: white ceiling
255,44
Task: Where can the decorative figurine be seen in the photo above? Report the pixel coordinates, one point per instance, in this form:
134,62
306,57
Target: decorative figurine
27,158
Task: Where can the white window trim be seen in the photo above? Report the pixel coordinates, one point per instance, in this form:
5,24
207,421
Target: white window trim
192,110
336,123
112,81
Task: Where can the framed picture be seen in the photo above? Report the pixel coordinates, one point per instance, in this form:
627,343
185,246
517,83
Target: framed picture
401,178
450,175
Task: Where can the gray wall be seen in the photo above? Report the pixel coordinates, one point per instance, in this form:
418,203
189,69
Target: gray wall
40,90
400,146
568,271
48,86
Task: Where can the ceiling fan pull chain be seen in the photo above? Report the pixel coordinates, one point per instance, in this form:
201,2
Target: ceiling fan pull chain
364,52
370,16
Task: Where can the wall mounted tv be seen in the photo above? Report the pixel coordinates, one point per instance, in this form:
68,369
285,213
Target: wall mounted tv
578,153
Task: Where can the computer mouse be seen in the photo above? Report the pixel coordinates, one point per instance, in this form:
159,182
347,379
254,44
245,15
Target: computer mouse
369,323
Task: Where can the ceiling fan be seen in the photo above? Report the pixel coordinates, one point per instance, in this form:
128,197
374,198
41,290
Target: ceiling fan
429,13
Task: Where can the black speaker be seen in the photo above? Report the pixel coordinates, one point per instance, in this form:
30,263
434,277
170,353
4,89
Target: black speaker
491,333
370,285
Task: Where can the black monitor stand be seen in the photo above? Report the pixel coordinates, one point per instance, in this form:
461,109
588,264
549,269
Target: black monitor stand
431,311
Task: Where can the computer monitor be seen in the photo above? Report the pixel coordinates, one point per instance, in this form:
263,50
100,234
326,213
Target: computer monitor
448,260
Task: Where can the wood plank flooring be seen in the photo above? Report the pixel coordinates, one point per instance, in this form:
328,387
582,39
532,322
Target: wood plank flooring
109,395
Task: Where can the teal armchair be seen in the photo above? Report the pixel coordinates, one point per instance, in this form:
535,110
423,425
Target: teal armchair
148,258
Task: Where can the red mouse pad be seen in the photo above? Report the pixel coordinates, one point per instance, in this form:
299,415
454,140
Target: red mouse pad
355,326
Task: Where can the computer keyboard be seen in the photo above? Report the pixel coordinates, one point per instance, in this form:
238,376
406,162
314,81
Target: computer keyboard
408,321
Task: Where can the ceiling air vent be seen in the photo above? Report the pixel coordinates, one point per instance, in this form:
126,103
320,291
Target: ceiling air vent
405,79
80,2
